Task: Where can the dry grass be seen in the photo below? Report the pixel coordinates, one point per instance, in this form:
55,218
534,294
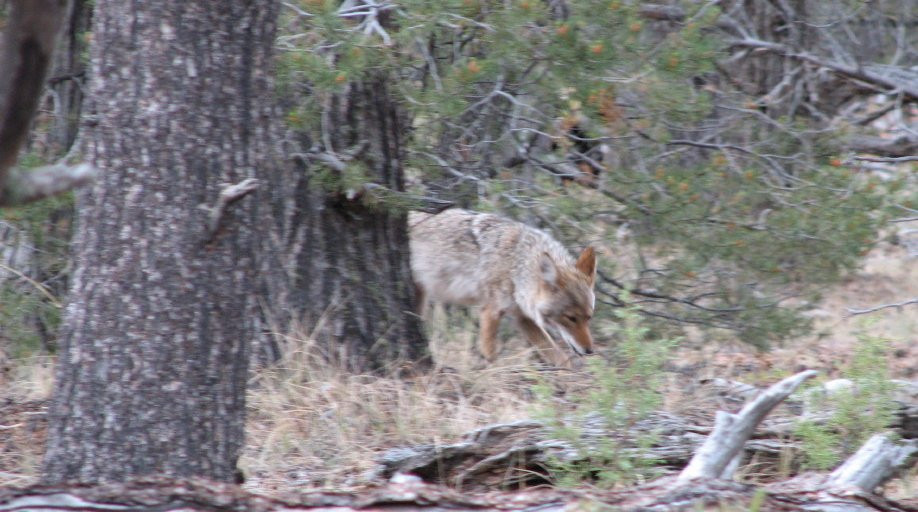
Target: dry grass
25,384
313,425
27,378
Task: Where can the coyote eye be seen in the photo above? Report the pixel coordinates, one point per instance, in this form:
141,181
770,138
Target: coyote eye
571,318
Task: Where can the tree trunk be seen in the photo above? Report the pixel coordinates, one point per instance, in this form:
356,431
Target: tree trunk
154,347
353,278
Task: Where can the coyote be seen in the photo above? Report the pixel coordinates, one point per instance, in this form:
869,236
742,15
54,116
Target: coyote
507,268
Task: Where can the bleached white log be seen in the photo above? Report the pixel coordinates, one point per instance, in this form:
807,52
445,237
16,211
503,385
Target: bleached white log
731,431
874,463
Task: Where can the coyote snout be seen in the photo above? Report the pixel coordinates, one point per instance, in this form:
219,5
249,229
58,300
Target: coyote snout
508,268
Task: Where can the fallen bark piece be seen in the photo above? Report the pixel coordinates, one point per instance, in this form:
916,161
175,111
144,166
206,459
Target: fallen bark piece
515,454
163,495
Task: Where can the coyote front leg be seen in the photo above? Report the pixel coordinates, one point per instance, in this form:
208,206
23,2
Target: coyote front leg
488,321
420,297
545,347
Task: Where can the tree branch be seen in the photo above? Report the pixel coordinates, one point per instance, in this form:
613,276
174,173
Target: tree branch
229,195
855,312
858,73
903,146
890,160
25,186
661,12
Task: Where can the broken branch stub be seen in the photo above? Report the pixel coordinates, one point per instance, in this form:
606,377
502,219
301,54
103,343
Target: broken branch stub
731,431
26,186
228,195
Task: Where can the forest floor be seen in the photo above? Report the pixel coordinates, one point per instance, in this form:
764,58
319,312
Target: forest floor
311,426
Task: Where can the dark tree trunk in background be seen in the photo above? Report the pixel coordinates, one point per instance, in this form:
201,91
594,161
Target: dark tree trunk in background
862,36
154,355
68,76
66,85
353,279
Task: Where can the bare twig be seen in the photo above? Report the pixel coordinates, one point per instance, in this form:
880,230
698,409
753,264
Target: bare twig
35,284
856,72
855,312
369,10
297,10
688,301
890,159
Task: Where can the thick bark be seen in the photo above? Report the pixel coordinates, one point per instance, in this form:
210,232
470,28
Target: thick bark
154,355
351,259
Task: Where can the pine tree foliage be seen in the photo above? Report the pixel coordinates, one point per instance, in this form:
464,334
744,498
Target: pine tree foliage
621,124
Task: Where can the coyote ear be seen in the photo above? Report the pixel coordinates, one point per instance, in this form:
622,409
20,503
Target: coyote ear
586,263
547,269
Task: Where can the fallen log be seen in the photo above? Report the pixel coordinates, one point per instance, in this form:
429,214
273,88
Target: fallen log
875,463
405,493
515,454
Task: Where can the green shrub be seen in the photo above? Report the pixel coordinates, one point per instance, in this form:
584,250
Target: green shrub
627,389
843,418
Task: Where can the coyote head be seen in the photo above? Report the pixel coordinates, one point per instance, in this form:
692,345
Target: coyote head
566,299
